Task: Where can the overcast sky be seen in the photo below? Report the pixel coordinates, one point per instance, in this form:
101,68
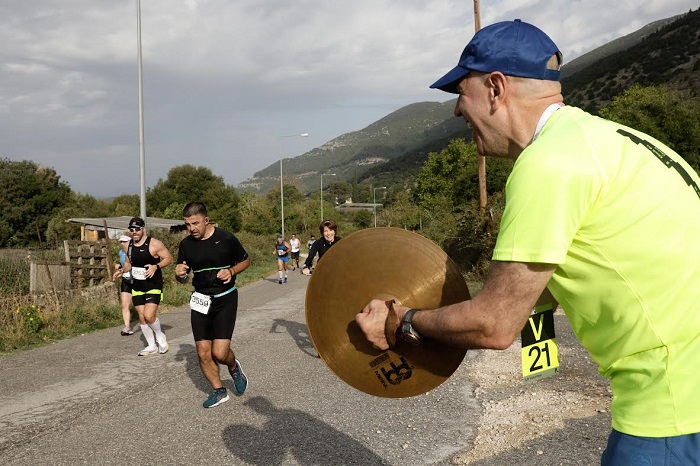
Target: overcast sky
225,80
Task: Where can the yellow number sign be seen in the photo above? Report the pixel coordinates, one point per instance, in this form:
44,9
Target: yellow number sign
539,354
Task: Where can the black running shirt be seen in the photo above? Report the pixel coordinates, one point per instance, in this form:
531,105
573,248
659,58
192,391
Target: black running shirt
206,257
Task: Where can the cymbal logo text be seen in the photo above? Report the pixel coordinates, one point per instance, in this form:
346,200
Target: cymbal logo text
397,373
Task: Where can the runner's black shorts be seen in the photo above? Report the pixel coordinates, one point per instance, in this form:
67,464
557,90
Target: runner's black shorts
125,286
219,323
295,255
146,298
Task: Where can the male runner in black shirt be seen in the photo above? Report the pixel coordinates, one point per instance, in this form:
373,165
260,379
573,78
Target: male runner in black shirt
215,257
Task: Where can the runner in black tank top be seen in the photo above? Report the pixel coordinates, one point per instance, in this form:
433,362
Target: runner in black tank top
145,258
140,257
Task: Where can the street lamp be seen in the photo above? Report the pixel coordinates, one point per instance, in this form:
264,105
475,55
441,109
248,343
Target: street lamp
374,203
142,153
327,174
302,135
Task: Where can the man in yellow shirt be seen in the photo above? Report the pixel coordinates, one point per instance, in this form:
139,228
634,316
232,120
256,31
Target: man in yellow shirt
591,216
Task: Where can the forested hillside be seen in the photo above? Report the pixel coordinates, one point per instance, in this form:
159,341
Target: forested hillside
392,150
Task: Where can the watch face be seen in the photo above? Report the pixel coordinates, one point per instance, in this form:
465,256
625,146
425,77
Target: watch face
410,338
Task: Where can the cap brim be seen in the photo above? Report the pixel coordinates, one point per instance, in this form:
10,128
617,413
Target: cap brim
448,83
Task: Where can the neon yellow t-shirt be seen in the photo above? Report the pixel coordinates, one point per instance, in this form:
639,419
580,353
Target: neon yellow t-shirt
623,226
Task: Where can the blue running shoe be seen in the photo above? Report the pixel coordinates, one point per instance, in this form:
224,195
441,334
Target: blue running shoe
240,381
216,397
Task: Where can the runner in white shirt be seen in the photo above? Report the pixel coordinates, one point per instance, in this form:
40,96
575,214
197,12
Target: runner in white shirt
296,247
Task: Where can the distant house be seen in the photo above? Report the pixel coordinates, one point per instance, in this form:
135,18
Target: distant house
93,229
349,206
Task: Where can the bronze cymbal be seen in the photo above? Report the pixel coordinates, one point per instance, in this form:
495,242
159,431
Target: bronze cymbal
384,263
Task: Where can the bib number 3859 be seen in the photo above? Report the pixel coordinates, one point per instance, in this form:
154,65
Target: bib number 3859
539,354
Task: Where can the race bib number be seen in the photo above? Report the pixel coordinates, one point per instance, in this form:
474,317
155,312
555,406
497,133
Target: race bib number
200,302
138,273
539,354
281,252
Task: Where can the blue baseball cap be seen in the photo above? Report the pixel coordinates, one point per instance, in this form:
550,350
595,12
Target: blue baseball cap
514,48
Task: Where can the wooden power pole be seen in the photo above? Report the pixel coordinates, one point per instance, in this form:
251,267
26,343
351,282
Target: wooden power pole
481,158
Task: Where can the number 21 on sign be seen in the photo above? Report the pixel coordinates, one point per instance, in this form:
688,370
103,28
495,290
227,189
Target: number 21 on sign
539,354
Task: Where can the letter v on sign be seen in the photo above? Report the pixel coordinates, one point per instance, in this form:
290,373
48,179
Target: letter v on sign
536,331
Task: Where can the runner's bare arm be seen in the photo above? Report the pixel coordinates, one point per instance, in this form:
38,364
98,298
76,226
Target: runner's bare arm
158,249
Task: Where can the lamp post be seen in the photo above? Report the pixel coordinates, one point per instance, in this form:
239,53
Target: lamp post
302,135
142,154
327,174
374,203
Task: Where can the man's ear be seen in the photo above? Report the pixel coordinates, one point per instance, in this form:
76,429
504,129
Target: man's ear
497,84
206,220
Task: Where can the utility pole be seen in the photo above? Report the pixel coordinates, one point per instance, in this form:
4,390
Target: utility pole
481,158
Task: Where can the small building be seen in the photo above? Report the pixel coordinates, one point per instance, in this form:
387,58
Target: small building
349,206
93,229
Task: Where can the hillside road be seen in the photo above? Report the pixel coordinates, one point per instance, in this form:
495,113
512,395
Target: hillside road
91,400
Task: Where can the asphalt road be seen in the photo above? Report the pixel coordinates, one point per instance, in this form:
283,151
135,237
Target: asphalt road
91,400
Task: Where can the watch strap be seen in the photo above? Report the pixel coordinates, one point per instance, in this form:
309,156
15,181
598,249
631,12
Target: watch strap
391,324
408,316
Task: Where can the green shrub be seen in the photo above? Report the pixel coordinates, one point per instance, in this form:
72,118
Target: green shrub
31,318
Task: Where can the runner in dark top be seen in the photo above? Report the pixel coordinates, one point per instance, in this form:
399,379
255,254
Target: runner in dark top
329,237
146,257
214,257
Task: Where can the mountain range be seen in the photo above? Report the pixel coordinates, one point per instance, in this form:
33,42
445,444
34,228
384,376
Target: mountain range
393,149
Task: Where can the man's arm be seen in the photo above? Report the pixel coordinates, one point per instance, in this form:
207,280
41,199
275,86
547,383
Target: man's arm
226,275
239,258
158,249
493,319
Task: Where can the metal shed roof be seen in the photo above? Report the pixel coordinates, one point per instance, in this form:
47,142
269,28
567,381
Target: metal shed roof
122,223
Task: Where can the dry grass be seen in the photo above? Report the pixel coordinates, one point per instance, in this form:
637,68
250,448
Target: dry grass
64,317
68,319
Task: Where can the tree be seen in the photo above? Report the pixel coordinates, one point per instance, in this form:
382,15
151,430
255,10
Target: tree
126,205
452,173
400,212
304,217
363,218
338,189
292,198
666,113
186,183
257,215
31,196
447,189
79,205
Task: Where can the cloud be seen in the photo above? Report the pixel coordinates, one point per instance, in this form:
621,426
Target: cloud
224,79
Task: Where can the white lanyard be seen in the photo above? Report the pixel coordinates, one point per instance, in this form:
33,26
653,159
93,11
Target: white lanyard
549,111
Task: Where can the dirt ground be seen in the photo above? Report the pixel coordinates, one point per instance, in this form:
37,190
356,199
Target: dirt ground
561,420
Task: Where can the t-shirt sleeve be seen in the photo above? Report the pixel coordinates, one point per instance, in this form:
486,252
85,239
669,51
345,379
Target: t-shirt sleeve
238,252
181,256
312,253
548,196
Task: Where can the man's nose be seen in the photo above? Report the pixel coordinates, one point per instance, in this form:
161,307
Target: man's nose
457,112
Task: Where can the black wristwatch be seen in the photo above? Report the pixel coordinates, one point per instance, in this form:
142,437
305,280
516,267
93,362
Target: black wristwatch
408,333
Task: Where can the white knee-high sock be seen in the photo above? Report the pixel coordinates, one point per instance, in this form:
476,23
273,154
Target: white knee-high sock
280,275
148,333
155,326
